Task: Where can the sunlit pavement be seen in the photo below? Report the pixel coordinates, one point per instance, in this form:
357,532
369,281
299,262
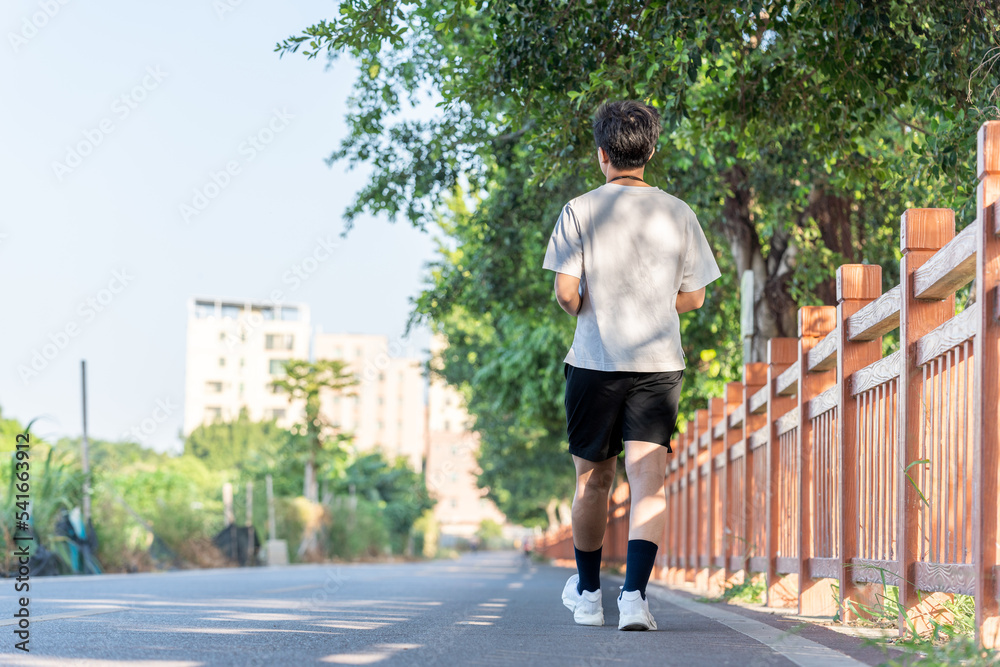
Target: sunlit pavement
483,609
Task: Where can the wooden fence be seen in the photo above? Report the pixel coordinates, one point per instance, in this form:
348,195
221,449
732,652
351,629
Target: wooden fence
833,470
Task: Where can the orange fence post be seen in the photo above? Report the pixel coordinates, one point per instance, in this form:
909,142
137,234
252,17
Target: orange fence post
923,232
815,322
716,492
986,351
857,286
699,553
754,379
734,496
781,355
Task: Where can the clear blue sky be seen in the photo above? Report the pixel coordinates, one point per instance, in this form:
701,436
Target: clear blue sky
196,85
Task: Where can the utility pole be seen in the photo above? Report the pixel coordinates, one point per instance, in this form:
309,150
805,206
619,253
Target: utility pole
251,554
85,447
746,315
272,530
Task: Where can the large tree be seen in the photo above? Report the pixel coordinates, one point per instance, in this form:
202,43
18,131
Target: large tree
797,131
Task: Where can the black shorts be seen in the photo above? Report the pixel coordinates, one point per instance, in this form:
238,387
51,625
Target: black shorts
606,408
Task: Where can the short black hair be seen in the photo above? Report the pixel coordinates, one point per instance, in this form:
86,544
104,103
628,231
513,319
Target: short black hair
627,131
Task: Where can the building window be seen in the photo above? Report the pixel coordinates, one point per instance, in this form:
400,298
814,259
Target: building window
277,366
381,426
338,352
278,413
358,352
447,427
381,377
454,476
213,387
381,401
275,388
213,413
241,389
222,335
230,311
265,312
290,314
204,309
222,361
454,502
279,341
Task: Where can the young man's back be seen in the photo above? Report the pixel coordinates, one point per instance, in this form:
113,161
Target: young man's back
642,246
628,258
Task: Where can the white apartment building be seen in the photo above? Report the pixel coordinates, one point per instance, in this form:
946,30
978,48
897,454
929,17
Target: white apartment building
234,353
451,460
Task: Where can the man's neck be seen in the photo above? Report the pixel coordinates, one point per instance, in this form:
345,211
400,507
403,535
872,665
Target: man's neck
628,177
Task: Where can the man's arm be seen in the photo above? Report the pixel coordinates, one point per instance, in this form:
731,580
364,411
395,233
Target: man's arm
568,293
688,301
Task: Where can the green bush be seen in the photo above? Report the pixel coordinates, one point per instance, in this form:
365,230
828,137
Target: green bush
356,529
179,498
122,540
426,535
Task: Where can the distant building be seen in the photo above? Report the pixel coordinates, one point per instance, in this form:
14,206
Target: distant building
234,353
451,460
387,409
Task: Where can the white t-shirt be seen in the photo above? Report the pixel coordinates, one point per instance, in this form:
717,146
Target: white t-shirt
634,248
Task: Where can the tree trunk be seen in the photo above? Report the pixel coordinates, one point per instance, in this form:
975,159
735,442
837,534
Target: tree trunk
832,214
775,313
310,489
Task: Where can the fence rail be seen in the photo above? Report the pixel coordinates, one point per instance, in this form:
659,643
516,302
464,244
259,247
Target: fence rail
831,470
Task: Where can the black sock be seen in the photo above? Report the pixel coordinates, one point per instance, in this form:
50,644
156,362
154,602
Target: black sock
639,565
588,564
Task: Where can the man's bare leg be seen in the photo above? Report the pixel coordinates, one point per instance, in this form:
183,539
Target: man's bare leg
646,467
590,503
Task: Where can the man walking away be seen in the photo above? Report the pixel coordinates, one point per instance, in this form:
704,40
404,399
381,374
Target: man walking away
628,259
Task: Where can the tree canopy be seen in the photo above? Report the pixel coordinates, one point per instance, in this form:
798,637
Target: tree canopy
797,131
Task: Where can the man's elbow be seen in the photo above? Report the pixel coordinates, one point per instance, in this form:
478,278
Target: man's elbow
566,302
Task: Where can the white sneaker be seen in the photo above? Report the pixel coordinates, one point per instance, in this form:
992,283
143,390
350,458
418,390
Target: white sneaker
633,612
586,606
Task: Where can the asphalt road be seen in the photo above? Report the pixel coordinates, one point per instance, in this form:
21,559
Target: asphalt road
483,609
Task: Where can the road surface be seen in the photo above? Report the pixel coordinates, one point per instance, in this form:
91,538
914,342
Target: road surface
482,609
